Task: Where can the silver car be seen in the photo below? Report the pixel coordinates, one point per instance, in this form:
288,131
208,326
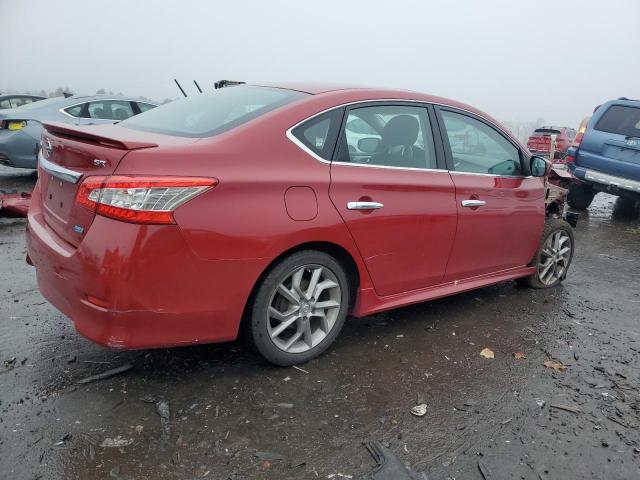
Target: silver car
15,100
21,128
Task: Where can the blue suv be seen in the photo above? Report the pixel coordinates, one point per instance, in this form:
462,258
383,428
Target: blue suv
607,157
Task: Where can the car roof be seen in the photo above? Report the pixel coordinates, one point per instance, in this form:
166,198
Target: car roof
312,88
354,93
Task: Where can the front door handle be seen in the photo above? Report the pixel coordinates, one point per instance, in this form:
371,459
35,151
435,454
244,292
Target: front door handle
473,203
364,205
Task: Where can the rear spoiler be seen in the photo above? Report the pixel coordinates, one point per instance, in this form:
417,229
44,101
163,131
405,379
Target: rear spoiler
106,135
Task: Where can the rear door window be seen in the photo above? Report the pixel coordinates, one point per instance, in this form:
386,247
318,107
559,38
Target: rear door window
388,135
621,120
110,110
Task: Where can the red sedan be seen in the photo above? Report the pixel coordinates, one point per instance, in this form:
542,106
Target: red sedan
278,211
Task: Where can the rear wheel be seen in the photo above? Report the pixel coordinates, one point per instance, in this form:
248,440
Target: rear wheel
299,308
553,258
580,195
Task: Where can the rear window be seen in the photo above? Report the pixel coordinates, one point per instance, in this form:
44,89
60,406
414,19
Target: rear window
620,120
209,114
546,131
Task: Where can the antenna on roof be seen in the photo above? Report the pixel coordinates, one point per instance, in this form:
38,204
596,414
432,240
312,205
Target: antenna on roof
181,89
67,94
198,86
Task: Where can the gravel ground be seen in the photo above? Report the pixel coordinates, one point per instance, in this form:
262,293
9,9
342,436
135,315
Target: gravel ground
220,412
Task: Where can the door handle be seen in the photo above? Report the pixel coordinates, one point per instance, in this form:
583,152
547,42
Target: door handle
473,203
364,205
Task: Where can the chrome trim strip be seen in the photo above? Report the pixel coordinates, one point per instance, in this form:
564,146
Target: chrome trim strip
364,205
612,180
454,172
388,167
303,147
58,171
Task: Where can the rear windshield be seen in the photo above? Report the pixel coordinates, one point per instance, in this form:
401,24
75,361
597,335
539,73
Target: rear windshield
546,131
208,114
43,103
620,120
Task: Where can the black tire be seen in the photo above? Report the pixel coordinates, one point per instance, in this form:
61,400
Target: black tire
580,195
626,208
552,226
259,321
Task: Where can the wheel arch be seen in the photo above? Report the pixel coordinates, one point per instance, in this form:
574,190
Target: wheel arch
340,253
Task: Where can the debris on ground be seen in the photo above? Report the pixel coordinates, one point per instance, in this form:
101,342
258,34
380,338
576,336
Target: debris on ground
271,456
555,365
64,439
541,403
116,442
487,353
14,205
519,356
9,364
104,375
419,410
389,467
484,470
566,408
162,408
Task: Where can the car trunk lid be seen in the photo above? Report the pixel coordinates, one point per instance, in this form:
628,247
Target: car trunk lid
70,154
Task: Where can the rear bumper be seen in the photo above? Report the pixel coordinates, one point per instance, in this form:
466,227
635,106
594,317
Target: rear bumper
130,286
609,182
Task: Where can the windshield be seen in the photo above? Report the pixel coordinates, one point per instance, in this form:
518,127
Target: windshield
208,114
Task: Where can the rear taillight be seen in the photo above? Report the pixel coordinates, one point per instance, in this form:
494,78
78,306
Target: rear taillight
570,157
578,139
149,200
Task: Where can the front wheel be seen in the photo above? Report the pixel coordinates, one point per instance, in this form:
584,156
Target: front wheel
553,258
299,308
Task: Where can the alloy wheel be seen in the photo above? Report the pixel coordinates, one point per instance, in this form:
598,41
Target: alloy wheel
303,308
554,257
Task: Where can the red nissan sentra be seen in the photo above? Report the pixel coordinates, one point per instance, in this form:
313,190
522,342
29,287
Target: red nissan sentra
279,211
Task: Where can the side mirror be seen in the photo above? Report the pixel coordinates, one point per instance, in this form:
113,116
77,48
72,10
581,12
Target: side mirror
539,166
368,144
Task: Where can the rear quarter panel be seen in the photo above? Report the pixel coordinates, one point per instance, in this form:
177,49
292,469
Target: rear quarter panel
245,216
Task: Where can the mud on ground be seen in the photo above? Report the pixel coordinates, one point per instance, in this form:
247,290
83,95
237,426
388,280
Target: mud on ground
230,415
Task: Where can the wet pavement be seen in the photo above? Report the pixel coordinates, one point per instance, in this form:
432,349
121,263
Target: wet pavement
220,412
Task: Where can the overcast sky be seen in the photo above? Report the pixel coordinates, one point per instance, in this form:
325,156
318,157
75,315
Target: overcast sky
515,59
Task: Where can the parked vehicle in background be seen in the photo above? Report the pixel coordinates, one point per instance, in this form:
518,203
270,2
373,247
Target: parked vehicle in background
607,156
21,128
15,100
541,142
266,210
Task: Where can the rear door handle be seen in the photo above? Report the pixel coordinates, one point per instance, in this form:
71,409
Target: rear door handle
473,203
364,205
